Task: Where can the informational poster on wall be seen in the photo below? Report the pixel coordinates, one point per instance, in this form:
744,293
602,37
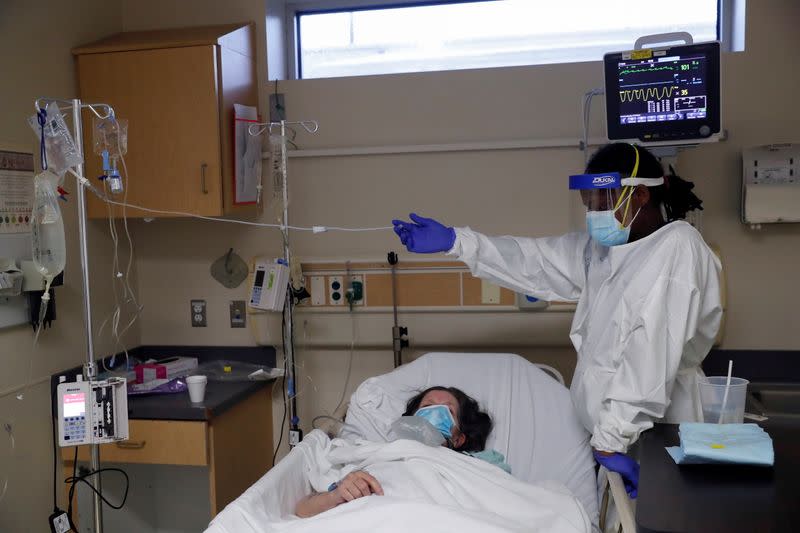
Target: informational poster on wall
16,192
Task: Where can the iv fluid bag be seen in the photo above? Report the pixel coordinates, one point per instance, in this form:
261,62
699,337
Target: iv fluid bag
110,135
47,227
60,148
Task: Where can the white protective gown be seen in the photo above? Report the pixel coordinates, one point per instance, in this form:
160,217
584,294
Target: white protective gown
648,313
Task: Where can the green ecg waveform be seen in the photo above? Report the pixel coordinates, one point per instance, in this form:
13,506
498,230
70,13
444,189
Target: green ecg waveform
654,69
650,93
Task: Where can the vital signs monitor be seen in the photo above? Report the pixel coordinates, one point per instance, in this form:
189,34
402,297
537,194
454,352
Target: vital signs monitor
668,95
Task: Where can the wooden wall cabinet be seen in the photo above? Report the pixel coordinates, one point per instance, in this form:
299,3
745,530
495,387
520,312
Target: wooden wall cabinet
177,89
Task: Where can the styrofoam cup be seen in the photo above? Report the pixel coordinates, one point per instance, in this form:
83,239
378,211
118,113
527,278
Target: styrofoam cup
197,388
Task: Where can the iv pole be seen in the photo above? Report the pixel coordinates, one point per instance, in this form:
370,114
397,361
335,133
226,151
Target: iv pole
89,368
288,347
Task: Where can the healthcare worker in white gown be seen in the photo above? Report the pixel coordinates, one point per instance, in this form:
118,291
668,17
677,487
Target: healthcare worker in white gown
647,288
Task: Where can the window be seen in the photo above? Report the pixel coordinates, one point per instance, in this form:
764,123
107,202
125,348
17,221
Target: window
360,39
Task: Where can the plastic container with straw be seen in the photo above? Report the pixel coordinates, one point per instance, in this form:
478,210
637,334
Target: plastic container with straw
723,398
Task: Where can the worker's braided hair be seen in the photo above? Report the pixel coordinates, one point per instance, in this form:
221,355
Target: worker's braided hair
675,195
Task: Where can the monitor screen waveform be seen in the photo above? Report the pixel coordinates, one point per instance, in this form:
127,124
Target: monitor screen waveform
662,89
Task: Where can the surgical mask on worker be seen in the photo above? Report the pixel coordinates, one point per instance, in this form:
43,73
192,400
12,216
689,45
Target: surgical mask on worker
440,417
605,229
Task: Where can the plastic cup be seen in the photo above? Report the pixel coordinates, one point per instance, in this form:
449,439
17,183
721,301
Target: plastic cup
197,388
712,393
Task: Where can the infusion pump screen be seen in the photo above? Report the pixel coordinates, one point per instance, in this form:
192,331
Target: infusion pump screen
663,89
74,405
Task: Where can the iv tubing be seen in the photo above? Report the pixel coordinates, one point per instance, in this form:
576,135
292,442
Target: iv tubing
314,229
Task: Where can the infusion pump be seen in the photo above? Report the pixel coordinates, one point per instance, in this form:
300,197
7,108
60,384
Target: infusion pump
92,412
270,283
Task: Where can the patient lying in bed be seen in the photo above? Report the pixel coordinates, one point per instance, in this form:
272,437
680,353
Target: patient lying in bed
408,485
457,416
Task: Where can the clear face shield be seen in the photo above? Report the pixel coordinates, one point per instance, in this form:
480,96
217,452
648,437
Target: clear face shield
607,199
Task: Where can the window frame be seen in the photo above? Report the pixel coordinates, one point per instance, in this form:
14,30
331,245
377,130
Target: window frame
730,21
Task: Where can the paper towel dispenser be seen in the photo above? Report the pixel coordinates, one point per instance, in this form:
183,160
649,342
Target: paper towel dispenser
770,185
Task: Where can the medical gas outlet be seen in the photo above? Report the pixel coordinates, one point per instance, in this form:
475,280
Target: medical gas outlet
345,290
354,294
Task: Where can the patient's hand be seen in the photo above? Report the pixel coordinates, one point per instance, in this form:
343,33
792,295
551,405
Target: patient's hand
355,485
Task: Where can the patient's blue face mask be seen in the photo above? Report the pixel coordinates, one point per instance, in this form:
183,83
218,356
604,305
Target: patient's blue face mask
440,417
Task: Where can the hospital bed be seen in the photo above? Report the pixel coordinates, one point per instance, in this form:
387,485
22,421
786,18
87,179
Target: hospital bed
535,428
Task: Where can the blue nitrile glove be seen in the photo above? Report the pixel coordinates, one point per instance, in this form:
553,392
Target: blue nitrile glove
424,235
625,467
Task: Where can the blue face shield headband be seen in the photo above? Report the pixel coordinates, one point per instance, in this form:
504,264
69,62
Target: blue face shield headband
440,417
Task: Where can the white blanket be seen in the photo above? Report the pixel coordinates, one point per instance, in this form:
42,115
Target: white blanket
432,489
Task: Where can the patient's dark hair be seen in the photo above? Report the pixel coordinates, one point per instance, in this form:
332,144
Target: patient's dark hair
475,424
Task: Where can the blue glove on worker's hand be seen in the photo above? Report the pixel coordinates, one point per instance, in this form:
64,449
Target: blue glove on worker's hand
624,466
424,235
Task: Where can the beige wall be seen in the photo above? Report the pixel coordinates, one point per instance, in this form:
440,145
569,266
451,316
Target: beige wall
36,38
516,192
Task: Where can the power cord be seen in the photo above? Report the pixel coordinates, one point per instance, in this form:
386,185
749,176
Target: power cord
283,390
74,479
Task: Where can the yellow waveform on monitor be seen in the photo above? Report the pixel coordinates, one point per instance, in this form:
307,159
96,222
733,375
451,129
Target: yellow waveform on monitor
650,93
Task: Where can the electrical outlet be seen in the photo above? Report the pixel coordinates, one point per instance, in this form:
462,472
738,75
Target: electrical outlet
238,314
337,288
198,309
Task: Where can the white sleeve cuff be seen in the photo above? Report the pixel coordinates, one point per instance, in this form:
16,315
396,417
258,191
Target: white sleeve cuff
465,243
606,443
617,435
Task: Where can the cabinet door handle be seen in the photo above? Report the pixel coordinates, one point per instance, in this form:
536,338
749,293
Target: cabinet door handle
203,168
132,445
